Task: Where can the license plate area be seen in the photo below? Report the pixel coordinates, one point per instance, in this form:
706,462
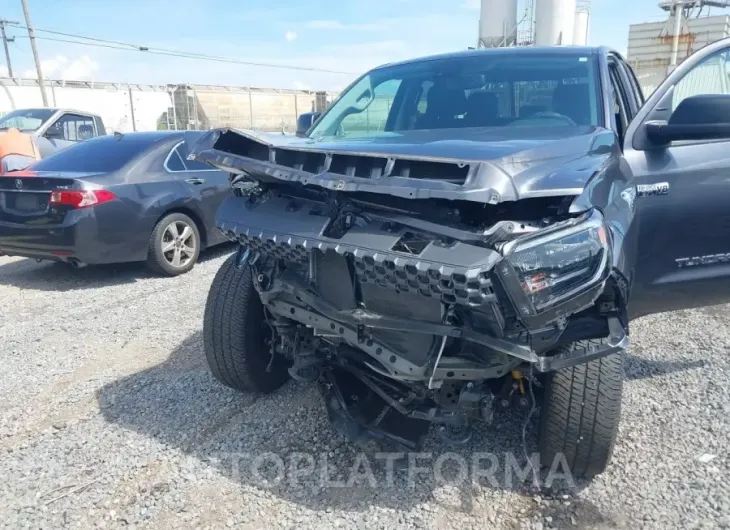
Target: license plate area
24,203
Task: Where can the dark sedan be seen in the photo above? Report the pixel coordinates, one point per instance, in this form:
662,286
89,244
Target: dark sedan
112,199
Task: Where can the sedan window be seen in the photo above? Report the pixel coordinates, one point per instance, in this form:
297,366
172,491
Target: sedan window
178,161
102,154
174,161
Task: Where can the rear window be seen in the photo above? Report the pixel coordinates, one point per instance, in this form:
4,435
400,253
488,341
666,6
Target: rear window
97,155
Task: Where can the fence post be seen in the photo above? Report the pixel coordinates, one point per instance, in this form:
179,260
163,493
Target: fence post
250,109
195,108
131,107
174,111
296,111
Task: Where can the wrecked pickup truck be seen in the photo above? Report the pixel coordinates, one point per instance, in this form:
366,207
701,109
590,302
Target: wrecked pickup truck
468,232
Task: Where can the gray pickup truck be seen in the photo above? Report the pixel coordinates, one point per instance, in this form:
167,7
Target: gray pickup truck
466,232
45,131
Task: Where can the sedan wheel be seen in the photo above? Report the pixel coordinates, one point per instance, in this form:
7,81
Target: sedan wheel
174,245
178,244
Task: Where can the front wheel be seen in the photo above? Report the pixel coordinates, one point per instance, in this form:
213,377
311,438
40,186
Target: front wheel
236,334
580,414
174,245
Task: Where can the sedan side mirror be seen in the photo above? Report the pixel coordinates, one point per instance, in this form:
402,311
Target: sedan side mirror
702,117
305,122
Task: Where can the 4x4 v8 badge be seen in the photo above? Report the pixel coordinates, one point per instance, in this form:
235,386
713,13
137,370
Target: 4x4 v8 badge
647,190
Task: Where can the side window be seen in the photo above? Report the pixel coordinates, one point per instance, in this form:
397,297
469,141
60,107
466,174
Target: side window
423,98
74,127
620,102
710,76
191,165
174,161
374,117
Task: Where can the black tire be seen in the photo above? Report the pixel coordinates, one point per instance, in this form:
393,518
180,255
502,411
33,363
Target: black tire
581,412
235,334
163,262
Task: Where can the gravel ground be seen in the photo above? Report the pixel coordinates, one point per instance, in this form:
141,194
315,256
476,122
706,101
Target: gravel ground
111,419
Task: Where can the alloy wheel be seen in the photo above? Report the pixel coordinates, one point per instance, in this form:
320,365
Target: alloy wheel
178,244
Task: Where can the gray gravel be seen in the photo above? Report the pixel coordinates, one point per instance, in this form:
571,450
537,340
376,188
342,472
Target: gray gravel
111,419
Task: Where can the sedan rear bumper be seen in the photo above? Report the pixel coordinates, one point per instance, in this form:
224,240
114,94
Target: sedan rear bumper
77,240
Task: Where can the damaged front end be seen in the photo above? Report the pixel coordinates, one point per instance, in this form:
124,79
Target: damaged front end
413,294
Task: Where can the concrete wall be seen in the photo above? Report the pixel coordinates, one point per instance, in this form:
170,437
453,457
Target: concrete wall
268,111
111,102
153,107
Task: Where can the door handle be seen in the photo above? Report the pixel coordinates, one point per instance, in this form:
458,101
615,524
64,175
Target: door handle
195,181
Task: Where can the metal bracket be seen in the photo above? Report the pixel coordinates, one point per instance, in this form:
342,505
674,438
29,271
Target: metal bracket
244,254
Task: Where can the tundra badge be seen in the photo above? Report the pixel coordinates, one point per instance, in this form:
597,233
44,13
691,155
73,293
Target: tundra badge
709,259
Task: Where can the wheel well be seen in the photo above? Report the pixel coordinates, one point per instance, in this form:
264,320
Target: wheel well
196,219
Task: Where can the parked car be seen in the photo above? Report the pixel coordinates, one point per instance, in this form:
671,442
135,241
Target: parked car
27,135
115,198
456,232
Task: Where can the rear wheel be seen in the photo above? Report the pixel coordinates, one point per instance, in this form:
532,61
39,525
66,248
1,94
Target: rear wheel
580,413
236,334
174,245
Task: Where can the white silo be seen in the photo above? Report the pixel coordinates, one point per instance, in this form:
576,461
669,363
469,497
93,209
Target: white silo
498,23
554,22
582,23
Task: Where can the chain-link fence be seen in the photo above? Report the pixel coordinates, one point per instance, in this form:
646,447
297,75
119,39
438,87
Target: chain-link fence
126,107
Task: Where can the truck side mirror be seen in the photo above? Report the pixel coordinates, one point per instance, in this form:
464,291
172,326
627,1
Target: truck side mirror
54,132
305,122
701,117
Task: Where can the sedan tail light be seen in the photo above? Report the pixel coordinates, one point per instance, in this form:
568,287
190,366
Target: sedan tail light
80,198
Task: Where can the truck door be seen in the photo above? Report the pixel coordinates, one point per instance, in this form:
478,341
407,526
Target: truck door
66,131
678,148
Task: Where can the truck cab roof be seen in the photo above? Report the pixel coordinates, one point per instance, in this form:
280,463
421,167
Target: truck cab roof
518,50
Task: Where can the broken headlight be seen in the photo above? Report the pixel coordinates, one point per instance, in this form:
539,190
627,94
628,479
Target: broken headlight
552,265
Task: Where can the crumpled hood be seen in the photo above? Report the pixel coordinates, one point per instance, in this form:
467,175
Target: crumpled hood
504,163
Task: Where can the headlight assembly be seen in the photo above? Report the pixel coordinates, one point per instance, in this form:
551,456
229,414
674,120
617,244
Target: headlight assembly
554,264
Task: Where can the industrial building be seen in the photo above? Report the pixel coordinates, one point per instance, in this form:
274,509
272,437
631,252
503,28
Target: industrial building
653,50
656,48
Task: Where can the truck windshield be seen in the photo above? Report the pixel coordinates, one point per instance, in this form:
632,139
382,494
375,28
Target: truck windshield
484,89
25,120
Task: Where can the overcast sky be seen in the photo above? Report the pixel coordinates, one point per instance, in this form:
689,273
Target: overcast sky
346,35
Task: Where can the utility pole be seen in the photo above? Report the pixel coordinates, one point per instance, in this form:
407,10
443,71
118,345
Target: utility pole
678,8
31,36
5,44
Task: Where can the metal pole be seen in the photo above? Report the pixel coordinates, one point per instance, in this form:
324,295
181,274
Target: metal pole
174,112
31,35
131,107
5,44
678,6
195,108
53,93
250,108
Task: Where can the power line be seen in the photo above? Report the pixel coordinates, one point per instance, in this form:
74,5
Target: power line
125,46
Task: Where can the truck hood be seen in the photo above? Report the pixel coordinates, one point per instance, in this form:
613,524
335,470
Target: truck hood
487,165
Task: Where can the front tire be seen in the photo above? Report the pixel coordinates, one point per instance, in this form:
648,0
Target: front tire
581,412
235,334
174,245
